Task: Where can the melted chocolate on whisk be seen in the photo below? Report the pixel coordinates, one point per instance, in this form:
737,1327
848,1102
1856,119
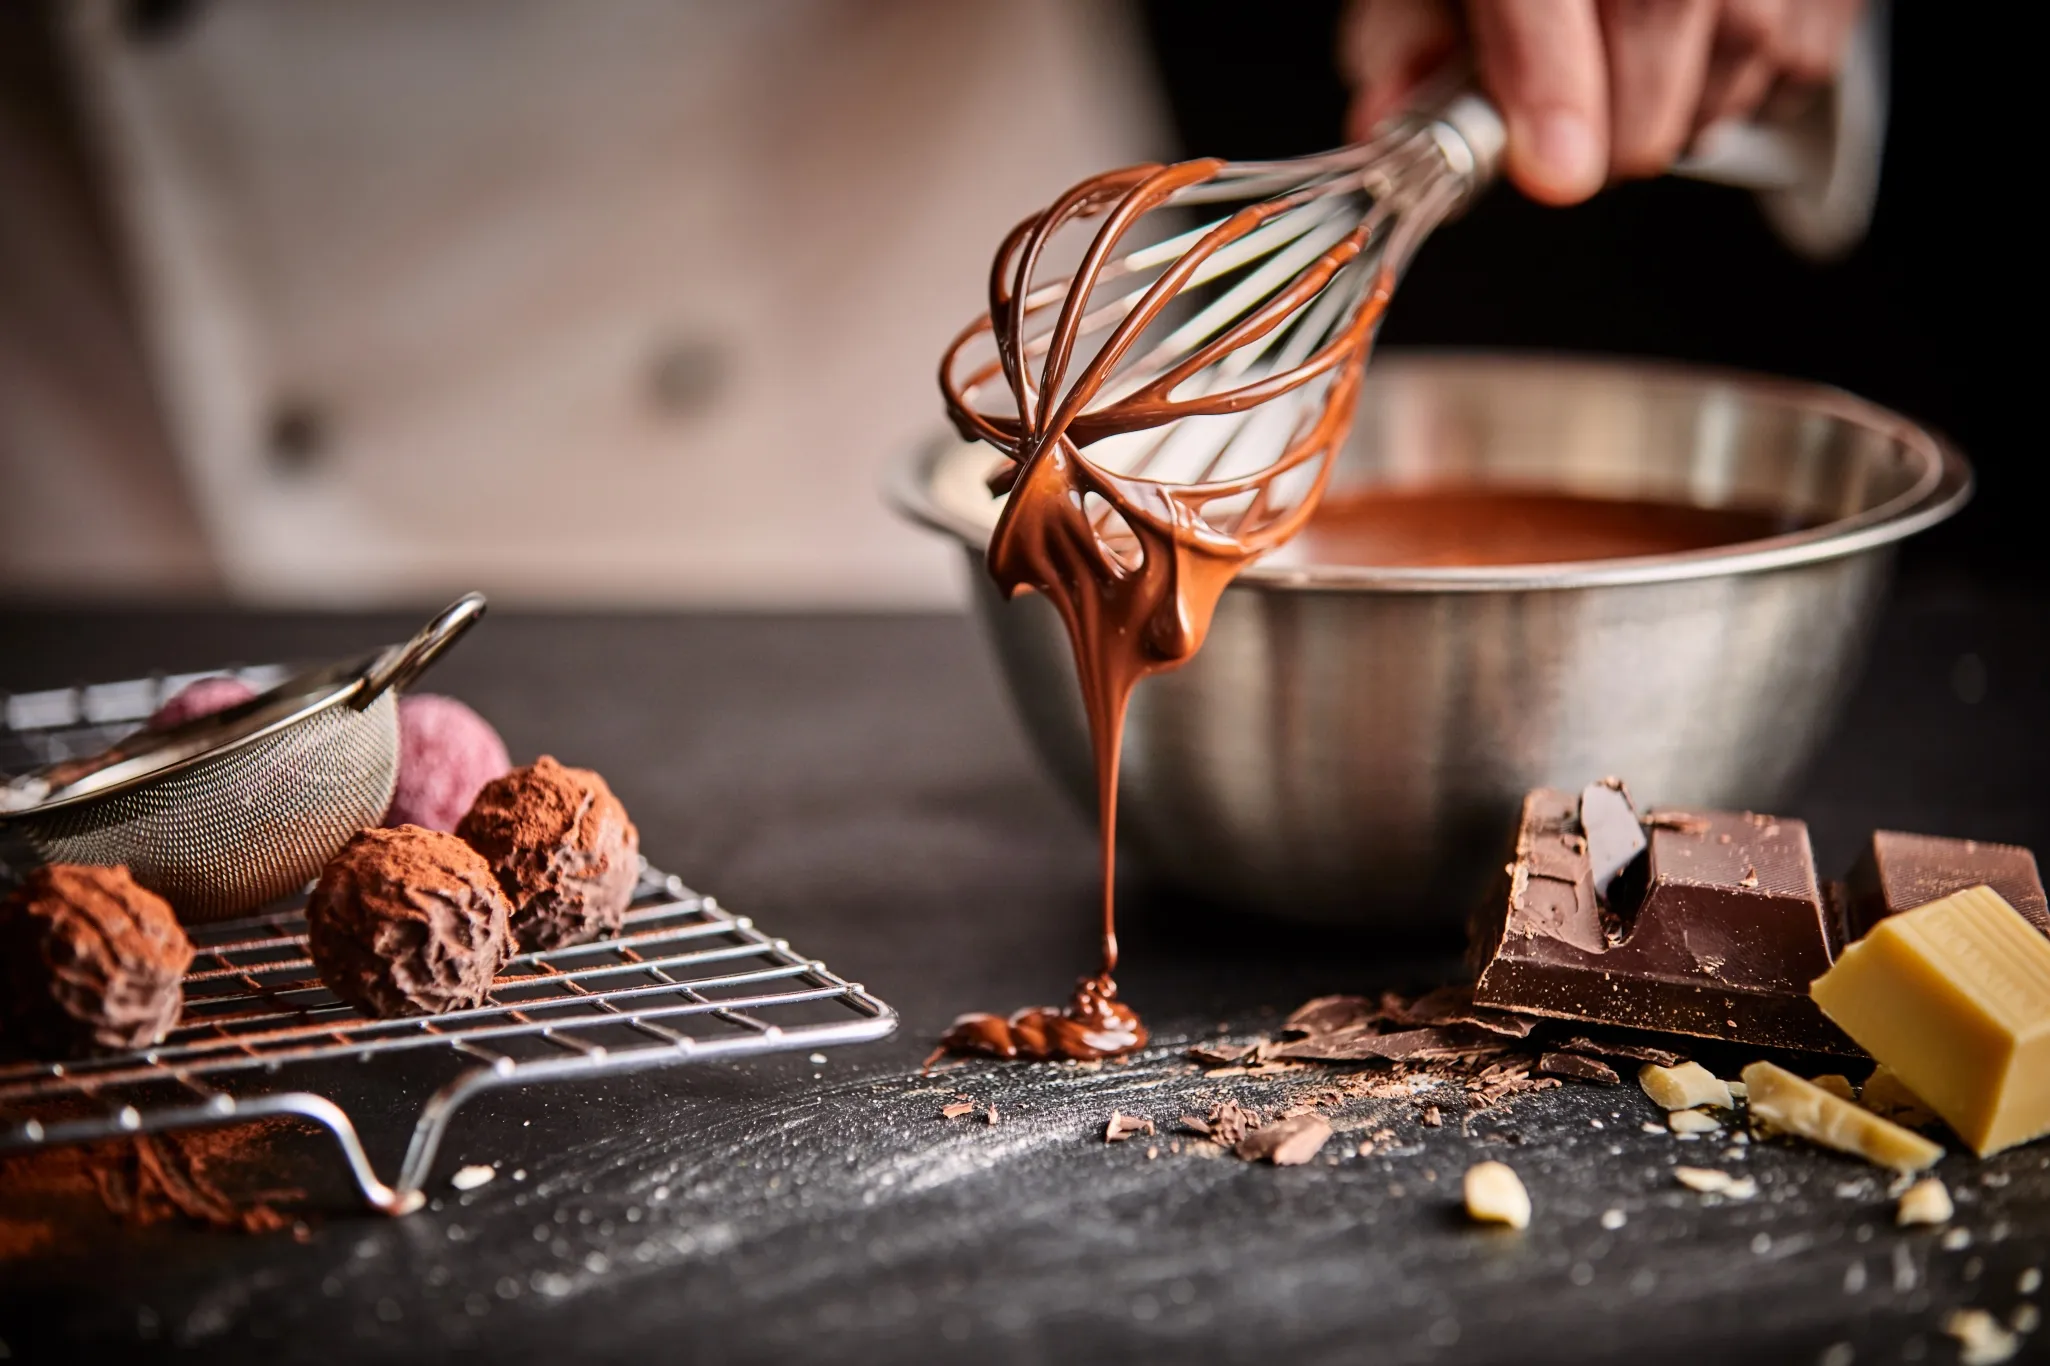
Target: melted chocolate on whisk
1136,591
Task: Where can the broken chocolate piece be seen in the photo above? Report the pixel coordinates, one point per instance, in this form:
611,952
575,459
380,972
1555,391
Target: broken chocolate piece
1286,1142
1898,872
1887,1096
1608,822
1635,1052
1454,1005
1122,1126
1795,1106
1579,1068
1219,1054
1427,1044
1334,1014
1726,936
1683,1087
1230,1122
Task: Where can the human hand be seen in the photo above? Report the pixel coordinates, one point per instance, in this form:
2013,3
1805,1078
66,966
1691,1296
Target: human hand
1594,90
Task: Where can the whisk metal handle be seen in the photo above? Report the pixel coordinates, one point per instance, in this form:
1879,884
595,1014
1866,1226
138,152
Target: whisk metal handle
402,663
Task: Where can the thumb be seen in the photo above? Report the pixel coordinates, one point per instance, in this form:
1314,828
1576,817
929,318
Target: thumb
1542,61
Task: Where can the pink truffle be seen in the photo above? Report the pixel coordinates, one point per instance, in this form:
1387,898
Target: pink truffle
201,697
446,754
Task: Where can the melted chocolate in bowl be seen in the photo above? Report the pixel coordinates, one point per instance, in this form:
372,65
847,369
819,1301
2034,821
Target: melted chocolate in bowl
1449,525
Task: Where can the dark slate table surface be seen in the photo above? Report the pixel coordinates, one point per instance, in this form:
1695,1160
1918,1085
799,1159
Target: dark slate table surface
855,783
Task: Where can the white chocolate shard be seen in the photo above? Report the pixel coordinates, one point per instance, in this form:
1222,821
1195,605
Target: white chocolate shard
1683,1087
1792,1105
1495,1195
1925,1202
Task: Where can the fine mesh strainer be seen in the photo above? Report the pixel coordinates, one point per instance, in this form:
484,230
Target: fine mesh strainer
230,812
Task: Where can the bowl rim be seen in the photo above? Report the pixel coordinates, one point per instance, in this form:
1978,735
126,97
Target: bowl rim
1944,487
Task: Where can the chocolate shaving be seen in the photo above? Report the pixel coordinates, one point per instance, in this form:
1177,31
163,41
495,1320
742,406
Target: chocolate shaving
1122,1126
1287,1142
1431,1043
1635,1052
1219,1054
1579,1067
1230,1122
1454,1005
1191,1124
1432,1116
958,1109
1337,1014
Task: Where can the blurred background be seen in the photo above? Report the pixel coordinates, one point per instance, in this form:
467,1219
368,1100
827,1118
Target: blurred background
630,302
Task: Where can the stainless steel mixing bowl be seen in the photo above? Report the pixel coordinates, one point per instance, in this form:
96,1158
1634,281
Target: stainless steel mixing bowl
1351,744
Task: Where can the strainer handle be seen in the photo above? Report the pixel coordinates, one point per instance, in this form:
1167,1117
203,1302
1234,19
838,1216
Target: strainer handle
401,664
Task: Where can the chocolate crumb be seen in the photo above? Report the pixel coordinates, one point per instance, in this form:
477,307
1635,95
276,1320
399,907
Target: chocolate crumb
1433,1116
1230,1122
1219,1054
1287,1142
989,1117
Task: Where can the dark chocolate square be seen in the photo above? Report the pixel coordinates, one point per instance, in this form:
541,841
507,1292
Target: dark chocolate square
1899,872
1729,930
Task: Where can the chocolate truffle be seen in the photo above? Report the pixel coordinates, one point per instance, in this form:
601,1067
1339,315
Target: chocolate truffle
446,754
92,962
563,849
201,697
408,921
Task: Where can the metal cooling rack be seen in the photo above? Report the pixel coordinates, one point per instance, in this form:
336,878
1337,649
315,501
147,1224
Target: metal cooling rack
684,981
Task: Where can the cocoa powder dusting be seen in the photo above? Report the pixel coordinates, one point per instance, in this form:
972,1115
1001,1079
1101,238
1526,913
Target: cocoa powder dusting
408,921
562,848
214,1178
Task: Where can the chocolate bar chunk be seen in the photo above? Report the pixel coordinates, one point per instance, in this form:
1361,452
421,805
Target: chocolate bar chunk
1899,872
1716,932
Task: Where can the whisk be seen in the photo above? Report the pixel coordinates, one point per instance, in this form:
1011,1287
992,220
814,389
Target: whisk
1191,391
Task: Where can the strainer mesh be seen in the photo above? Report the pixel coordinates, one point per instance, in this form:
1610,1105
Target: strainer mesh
237,832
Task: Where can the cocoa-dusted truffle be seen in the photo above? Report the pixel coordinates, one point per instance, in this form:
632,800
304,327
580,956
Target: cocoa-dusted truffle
408,921
563,849
92,962
446,754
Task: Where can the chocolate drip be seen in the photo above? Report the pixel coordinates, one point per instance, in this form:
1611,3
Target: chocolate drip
1135,566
